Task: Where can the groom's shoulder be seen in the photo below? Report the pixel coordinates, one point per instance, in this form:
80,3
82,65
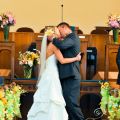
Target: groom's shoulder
73,35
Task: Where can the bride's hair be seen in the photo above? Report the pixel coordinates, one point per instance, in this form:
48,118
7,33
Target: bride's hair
48,30
48,42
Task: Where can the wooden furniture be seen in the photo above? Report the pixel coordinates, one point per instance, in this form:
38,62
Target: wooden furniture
24,29
39,41
83,46
22,42
24,39
89,86
10,47
108,29
99,31
28,85
110,59
99,41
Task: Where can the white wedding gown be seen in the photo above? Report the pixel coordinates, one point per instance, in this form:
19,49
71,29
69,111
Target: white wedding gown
48,101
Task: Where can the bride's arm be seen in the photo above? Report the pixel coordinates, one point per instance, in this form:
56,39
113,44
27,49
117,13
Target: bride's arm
63,60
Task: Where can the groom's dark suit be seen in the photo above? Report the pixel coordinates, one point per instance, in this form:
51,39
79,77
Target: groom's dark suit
118,65
70,75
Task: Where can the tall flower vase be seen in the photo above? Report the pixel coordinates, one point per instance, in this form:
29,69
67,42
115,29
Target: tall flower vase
27,72
6,29
115,35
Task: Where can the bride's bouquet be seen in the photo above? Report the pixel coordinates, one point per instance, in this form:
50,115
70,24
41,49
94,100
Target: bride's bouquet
50,30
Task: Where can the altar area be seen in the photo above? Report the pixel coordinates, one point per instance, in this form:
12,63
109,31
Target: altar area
106,68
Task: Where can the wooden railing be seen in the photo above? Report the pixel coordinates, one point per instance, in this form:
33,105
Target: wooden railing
24,39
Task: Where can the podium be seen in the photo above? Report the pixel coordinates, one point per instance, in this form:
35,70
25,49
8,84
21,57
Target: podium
9,46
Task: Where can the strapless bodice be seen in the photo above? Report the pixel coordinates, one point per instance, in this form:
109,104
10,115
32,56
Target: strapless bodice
51,61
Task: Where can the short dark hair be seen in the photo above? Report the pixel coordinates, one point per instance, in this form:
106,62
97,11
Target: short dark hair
63,24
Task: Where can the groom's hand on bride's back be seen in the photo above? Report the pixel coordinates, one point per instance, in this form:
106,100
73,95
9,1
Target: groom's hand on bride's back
78,57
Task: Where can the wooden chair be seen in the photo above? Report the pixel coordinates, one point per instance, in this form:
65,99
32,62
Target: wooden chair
24,29
97,31
79,31
42,30
99,38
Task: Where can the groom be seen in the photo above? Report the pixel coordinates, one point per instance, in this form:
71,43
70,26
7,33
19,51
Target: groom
69,73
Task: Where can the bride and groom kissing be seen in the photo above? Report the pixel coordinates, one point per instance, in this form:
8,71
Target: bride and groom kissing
58,88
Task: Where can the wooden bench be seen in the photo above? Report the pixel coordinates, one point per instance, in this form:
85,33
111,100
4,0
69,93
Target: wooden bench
112,77
28,84
5,72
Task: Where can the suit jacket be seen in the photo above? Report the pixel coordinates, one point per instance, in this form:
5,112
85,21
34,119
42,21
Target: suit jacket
69,47
118,65
118,58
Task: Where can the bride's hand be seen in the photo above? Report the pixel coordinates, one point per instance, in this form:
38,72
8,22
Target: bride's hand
78,57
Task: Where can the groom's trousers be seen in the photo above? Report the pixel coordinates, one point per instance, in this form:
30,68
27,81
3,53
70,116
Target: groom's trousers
71,93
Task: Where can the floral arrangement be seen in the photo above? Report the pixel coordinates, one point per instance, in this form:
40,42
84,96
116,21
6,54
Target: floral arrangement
114,21
110,101
7,19
10,101
29,58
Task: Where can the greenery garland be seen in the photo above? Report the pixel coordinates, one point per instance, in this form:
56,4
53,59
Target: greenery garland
10,101
110,101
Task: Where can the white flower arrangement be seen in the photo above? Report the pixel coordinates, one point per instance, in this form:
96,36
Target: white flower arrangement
29,58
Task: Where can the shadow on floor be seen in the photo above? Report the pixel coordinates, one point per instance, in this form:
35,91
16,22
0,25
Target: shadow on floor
26,102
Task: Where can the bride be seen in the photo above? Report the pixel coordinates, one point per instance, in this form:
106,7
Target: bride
48,102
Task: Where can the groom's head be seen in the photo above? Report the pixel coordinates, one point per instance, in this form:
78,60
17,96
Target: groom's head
64,29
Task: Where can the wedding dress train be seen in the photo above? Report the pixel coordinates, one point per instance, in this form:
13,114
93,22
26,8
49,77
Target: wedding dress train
48,101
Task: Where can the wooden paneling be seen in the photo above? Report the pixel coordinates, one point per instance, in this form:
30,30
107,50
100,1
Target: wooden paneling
24,39
22,42
83,46
11,36
99,41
